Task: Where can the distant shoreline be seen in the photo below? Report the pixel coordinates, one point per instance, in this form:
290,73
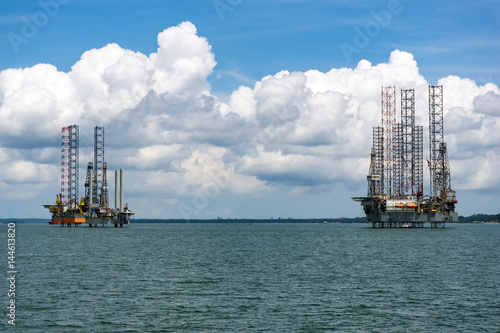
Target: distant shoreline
247,221
219,220
475,219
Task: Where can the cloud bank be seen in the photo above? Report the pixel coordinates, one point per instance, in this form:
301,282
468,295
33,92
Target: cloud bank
300,132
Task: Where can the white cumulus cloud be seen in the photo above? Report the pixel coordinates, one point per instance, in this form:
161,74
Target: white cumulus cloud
306,131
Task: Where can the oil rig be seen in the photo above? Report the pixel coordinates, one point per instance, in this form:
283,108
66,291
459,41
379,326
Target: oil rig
92,209
395,195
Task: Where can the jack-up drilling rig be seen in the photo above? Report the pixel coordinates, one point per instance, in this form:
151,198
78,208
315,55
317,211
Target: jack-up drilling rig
395,179
92,209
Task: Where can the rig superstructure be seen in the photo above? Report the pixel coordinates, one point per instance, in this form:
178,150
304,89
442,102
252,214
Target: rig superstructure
92,209
395,179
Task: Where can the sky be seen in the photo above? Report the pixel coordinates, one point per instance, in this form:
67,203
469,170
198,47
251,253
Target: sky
239,108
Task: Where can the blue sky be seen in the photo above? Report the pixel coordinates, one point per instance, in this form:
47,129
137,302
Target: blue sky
249,40
258,38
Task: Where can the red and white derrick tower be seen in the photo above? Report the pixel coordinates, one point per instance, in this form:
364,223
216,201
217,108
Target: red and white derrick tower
69,165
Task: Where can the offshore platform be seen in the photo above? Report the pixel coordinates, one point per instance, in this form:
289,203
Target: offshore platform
395,179
92,209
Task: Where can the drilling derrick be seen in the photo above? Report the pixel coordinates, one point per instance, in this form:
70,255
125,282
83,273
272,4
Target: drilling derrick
99,181
418,166
398,188
377,161
98,164
69,166
68,209
439,168
408,143
388,122
74,166
436,138
65,177
395,179
442,197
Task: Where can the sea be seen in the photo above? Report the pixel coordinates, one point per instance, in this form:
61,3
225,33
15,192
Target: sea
242,277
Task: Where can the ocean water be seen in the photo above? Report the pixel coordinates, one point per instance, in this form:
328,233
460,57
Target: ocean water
255,278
